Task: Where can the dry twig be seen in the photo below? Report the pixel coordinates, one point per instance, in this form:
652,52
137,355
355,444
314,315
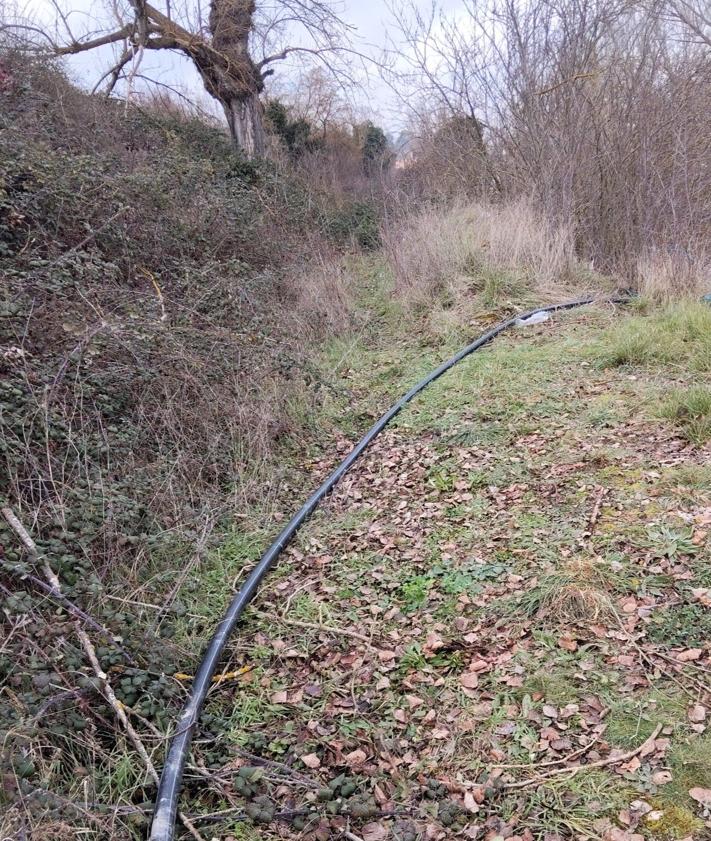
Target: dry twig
574,769
90,651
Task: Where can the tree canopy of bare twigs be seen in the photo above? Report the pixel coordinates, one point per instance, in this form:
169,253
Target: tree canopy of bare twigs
597,108
234,45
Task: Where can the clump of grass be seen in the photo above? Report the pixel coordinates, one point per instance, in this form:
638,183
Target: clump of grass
570,807
691,477
574,594
679,334
632,720
497,286
690,763
555,687
690,410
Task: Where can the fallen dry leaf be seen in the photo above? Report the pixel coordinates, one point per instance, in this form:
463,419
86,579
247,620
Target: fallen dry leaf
311,760
440,733
568,643
374,832
470,803
689,655
616,834
697,713
433,643
469,680
386,656
701,795
355,757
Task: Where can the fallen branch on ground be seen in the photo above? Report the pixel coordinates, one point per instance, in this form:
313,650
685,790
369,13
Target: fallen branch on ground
66,603
574,769
553,762
90,651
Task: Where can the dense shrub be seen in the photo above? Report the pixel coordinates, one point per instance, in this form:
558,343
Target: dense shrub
155,312
356,221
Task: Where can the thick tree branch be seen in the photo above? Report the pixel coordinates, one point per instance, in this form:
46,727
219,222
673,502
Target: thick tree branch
222,52
84,46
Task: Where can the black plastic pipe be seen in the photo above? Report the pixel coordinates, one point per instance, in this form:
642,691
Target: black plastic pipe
163,826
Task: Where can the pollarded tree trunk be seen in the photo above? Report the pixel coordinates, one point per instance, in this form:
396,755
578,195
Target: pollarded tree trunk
238,83
244,117
223,60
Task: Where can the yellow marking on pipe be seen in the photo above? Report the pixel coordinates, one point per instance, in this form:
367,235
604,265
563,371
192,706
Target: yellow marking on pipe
218,678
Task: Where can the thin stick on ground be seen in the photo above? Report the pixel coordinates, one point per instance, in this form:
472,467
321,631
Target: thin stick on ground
647,658
600,763
586,539
328,629
279,766
552,763
90,651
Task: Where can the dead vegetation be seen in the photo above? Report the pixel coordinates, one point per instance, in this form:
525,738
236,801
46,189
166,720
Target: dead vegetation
598,113
572,596
156,318
445,251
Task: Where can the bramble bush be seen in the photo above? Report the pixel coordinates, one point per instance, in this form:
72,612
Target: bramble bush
153,337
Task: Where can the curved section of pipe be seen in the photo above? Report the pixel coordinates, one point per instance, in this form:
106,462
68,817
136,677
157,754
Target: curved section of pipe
164,815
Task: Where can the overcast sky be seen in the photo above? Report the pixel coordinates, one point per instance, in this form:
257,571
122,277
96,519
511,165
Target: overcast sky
371,18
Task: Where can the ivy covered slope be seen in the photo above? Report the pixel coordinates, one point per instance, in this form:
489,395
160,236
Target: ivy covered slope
151,368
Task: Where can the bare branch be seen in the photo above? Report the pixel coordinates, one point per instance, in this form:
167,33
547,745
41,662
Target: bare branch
84,46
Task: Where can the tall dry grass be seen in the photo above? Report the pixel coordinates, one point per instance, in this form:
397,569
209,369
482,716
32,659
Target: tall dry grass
664,277
321,295
442,249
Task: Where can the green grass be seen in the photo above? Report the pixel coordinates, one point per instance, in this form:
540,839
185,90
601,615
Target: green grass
554,687
690,410
691,764
690,477
203,595
470,564
632,720
569,808
496,286
678,336
681,624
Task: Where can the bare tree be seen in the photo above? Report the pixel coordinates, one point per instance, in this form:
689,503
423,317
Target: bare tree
322,99
234,46
433,72
693,16
597,109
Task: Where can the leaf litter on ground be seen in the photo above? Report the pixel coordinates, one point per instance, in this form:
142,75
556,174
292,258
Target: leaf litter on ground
498,639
